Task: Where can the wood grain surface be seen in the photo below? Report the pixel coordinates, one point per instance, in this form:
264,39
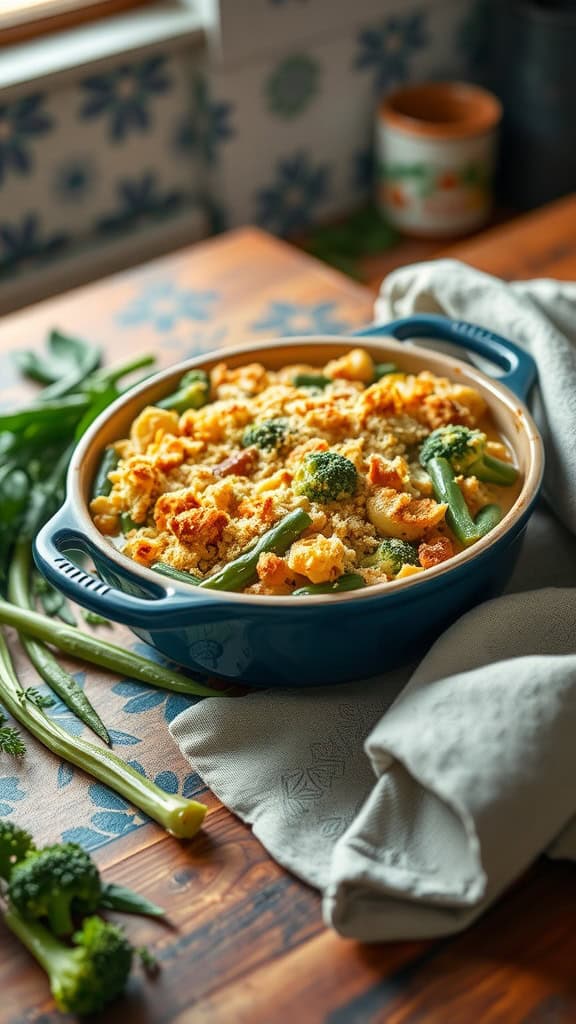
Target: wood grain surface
246,943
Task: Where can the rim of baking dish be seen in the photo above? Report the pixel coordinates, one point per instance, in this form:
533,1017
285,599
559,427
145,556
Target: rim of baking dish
385,344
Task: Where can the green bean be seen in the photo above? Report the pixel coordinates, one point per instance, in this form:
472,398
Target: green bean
487,518
103,378
494,471
311,380
383,369
175,574
446,490
349,581
242,571
127,523
102,484
100,652
193,392
19,593
60,681
178,815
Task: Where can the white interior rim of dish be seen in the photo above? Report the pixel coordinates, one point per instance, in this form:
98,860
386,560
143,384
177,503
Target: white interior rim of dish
450,367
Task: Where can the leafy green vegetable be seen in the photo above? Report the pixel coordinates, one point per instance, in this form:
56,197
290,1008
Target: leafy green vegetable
41,700
64,365
11,741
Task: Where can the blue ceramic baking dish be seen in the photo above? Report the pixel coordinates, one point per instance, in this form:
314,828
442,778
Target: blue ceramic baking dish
284,641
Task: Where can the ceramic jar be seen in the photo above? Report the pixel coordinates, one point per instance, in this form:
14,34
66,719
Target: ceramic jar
436,147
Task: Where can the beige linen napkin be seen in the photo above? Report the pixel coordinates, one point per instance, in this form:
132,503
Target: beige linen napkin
413,800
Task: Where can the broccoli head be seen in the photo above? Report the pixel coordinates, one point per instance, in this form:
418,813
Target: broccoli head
460,445
86,976
54,882
465,450
193,392
15,843
267,435
391,554
325,477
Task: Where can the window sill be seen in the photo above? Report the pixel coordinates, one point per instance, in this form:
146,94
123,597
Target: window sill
60,56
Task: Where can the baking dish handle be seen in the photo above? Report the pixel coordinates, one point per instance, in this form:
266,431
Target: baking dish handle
519,367
166,608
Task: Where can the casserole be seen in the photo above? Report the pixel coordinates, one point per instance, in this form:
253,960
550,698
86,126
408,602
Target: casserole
267,641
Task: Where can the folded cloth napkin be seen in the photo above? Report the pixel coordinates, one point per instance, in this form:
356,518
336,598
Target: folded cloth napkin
413,800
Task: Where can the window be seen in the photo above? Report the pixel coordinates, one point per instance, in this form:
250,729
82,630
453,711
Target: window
25,19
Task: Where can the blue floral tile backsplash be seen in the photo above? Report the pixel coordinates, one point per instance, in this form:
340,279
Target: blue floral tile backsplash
277,131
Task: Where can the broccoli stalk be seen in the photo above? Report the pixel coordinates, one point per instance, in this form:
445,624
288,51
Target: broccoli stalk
86,976
52,882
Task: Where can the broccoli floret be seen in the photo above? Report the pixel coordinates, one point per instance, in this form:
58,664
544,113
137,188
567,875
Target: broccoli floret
267,435
86,976
193,392
391,554
326,476
465,450
15,843
54,882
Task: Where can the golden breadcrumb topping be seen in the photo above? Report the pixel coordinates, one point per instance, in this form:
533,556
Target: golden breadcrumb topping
191,489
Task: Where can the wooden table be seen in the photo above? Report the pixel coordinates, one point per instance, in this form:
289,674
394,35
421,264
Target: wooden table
246,943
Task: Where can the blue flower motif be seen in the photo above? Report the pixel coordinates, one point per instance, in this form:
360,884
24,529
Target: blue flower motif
143,698
363,169
10,793
386,50
74,180
206,126
140,201
24,241
116,817
291,319
201,340
124,96
20,121
291,200
65,775
293,85
163,304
